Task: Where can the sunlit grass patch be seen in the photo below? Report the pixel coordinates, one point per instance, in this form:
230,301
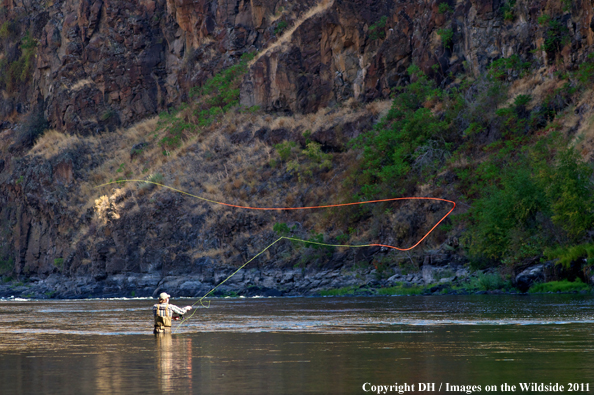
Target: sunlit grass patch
400,289
345,291
560,286
487,282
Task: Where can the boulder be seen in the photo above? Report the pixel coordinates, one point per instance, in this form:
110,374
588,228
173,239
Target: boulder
526,278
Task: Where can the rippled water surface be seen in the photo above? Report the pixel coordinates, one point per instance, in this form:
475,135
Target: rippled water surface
296,345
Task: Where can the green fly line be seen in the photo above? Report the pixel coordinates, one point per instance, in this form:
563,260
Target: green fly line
285,237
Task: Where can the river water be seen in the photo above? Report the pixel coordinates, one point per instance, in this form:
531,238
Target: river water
299,345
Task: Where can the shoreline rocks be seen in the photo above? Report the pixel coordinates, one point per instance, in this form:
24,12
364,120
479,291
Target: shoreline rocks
268,282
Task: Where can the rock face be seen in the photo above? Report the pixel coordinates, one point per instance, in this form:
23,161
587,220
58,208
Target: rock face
530,276
348,51
549,271
102,64
268,281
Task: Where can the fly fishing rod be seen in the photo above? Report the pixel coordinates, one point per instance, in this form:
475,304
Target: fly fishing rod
292,238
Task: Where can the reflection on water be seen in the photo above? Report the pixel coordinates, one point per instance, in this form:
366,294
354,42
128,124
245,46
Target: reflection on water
295,346
174,362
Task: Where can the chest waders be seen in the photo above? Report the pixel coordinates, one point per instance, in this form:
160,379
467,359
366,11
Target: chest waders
163,316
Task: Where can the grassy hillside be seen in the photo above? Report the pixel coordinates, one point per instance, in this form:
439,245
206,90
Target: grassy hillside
512,146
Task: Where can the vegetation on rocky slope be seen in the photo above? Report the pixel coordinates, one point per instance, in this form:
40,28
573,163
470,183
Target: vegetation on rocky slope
513,160
500,149
492,143
512,145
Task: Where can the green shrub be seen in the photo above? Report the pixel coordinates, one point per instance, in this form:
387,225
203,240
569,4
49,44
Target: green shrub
447,36
309,161
529,204
281,228
391,148
506,216
560,286
153,178
505,68
28,49
567,255
544,19
59,263
556,35
315,240
217,96
107,115
176,131
400,289
20,71
6,266
570,190
508,10
157,177
376,31
285,149
7,30
222,86
585,72
342,238
487,282
522,100
444,8
280,27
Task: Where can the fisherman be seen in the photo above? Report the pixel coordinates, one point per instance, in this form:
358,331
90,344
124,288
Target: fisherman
164,313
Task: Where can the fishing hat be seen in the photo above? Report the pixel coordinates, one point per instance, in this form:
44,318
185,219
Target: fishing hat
164,296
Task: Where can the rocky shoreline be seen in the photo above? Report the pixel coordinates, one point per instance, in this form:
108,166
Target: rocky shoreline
283,282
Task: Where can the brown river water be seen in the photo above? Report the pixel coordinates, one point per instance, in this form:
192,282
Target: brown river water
301,346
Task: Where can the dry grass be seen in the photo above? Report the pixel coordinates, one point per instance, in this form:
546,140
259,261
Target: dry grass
207,165
214,253
524,86
539,91
81,84
324,118
53,142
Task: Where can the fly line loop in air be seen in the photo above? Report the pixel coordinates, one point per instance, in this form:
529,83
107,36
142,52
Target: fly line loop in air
292,238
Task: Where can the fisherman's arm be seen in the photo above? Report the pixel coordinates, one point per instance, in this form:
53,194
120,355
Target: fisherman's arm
180,311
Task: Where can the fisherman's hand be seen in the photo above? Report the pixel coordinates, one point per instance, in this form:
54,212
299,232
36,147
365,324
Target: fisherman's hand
188,307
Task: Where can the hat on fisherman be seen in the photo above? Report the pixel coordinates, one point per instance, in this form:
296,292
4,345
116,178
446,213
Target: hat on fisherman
164,296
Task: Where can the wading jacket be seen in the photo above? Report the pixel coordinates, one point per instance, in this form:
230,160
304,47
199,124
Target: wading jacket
164,312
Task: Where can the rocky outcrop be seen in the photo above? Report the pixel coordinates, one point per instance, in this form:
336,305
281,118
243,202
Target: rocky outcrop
251,281
361,50
102,64
526,278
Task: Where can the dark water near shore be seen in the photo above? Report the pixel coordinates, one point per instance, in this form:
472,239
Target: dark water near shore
297,345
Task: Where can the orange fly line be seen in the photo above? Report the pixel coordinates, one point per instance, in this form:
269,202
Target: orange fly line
292,238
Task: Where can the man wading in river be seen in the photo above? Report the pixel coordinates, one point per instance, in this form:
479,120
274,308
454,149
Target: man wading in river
164,313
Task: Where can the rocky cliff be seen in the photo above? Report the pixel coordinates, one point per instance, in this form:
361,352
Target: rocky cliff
102,69
105,64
